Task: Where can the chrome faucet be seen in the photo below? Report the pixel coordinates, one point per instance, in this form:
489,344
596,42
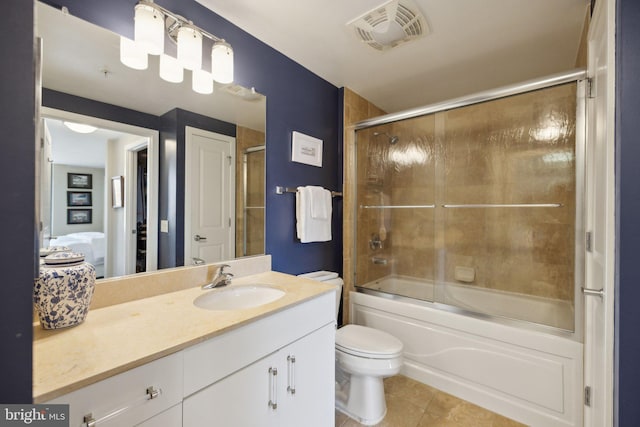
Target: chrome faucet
221,278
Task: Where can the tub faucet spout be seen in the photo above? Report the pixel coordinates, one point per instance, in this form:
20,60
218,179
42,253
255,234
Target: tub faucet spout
221,278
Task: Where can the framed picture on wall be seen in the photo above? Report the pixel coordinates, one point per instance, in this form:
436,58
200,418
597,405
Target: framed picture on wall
80,180
117,191
79,198
306,149
79,216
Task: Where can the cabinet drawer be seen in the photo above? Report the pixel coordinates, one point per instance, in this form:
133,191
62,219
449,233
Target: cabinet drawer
126,398
172,417
219,357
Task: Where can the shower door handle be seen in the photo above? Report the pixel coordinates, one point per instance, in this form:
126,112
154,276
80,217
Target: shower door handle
593,292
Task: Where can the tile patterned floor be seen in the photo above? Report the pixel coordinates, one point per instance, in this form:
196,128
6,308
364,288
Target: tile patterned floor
413,404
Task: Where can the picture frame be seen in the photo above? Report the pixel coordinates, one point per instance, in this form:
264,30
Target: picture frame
117,191
79,216
80,180
79,198
306,149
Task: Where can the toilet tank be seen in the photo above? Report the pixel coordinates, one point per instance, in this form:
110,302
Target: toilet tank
330,278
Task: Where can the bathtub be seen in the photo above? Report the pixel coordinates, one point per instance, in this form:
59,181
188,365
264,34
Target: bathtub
544,311
530,374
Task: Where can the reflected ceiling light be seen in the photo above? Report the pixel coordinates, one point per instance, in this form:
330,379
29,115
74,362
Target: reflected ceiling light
202,82
153,22
80,128
132,55
170,69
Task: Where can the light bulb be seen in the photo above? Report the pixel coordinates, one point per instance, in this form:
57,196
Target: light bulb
190,47
149,28
222,62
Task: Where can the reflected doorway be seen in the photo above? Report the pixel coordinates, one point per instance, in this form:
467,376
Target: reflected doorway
113,218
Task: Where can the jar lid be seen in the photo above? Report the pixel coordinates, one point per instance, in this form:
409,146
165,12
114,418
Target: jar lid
64,258
53,249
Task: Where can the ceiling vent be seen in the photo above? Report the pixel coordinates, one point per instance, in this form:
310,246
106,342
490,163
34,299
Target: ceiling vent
390,24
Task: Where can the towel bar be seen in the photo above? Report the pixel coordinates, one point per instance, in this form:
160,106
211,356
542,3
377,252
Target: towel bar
282,190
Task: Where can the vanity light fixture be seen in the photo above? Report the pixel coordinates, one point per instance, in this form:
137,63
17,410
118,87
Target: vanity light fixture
222,62
152,24
202,82
149,27
132,55
80,127
190,47
170,69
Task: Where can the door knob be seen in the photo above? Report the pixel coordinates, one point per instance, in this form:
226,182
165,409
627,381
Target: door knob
199,238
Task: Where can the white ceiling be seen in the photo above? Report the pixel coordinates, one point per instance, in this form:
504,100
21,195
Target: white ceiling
79,149
474,45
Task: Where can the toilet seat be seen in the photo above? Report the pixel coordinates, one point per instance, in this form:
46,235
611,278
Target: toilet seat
367,342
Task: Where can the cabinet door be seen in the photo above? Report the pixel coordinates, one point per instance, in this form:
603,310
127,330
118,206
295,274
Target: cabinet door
247,398
308,381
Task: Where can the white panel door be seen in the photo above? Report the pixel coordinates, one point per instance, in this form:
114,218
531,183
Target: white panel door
599,197
209,196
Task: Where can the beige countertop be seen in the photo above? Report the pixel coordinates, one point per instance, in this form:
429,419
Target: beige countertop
117,338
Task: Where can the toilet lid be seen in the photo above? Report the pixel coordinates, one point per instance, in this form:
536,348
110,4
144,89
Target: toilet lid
367,342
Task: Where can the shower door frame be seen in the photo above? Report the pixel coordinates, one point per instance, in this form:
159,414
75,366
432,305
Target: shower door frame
245,207
579,76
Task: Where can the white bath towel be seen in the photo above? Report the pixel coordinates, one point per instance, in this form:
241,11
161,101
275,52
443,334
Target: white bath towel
313,214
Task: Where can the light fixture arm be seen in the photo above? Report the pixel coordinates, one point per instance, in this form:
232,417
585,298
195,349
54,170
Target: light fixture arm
174,21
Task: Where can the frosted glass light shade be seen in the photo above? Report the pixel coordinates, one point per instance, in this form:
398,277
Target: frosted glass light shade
190,47
222,62
149,28
132,55
170,69
202,82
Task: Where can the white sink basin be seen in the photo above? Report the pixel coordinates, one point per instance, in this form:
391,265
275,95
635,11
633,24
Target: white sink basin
238,297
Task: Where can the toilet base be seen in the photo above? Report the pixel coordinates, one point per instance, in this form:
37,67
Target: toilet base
362,398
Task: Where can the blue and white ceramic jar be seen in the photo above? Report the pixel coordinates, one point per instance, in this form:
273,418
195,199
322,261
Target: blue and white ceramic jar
62,293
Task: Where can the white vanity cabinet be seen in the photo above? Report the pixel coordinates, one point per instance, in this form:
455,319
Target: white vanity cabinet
278,371
129,398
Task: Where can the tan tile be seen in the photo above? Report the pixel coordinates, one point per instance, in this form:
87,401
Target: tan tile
500,421
400,413
340,419
442,404
411,390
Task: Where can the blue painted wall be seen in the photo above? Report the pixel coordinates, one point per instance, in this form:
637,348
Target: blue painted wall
627,352
89,107
17,219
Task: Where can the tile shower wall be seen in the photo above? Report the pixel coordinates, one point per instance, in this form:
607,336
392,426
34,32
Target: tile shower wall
355,109
516,150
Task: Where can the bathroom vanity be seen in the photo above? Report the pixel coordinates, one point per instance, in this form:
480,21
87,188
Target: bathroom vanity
161,361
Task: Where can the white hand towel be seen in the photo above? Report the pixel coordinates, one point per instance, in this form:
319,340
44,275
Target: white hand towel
320,199
308,227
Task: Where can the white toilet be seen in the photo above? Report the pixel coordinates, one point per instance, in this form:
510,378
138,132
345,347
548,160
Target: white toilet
364,356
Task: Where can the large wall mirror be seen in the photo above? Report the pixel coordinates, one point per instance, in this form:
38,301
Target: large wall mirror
101,187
